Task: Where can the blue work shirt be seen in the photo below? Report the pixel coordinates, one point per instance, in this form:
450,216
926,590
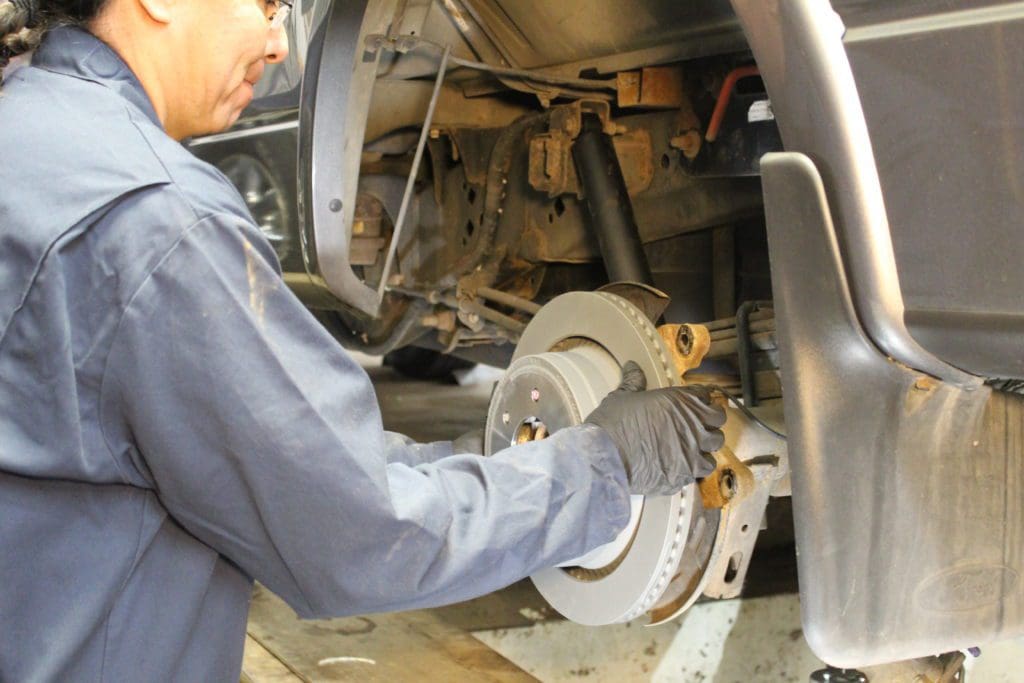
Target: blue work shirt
174,423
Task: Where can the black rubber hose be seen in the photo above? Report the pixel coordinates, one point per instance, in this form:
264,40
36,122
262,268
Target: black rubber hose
609,205
743,349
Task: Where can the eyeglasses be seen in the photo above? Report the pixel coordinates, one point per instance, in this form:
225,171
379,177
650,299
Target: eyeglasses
281,9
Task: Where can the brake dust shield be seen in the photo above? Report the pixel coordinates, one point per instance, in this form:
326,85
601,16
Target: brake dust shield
569,358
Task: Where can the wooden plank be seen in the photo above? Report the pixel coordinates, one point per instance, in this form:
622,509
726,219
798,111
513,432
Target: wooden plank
518,605
260,666
405,646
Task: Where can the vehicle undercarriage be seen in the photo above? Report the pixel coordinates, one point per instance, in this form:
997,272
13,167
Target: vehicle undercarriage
558,188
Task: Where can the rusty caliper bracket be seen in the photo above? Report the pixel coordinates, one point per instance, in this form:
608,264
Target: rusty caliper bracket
738,489
551,166
732,481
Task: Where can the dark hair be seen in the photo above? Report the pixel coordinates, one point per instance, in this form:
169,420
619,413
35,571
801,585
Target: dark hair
23,23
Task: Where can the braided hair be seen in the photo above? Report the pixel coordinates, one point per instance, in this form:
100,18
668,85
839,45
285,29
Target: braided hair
23,23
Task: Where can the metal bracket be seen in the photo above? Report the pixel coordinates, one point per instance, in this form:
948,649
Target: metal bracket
687,343
411,182
747,382
738,531
337,88
551,168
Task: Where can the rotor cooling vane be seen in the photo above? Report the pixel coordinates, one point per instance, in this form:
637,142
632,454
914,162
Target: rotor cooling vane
569,358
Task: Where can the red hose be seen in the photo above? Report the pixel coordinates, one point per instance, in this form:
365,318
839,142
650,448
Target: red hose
723,98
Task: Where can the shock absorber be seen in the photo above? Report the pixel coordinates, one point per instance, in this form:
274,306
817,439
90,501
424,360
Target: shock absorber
609,205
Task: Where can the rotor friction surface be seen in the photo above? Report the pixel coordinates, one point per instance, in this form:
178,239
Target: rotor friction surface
633,580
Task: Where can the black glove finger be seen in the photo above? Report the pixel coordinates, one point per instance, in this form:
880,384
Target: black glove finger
714,417
633,377
684,402
706,464
695,436
700,392
701,423
711,414
711,440
691,462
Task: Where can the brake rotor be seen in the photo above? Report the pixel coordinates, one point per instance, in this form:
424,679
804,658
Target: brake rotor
568,359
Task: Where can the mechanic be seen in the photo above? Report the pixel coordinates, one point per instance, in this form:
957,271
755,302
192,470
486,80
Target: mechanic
174,423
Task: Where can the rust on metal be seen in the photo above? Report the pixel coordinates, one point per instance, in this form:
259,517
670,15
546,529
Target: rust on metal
926,383
688,345
629,88
656,87
368,239
551,167
444,320
688,138
552,170
634,150
731,482
689,143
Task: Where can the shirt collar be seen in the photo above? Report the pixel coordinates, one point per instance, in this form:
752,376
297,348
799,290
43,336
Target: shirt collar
75,52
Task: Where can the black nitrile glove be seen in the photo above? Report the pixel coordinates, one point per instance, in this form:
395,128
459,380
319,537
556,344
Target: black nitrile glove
663,435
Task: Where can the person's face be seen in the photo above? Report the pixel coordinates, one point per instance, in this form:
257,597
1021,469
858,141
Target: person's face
227,46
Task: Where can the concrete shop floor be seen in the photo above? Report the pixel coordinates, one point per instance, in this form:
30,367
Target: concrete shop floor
513,636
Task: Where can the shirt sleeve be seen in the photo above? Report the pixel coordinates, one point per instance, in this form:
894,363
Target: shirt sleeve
401,448
263,439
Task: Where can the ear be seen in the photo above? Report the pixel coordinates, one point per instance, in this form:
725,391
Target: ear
159,11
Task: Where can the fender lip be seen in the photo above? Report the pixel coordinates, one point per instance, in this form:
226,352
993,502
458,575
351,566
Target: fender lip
799,49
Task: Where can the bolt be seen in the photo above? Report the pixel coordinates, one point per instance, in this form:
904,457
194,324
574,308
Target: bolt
505,418
727,484
684,340
435,133
689,143
335,205
535,395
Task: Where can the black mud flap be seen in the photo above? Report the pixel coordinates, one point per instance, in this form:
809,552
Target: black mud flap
907,491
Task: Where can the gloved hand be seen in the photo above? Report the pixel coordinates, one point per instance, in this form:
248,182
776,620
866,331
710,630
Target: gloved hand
663,436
